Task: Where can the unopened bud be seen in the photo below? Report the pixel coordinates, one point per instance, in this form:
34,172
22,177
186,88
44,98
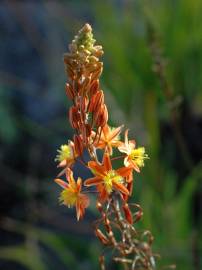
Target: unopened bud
78,144
69,91
94,87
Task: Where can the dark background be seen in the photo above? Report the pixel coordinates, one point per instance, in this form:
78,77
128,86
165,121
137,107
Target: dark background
153,84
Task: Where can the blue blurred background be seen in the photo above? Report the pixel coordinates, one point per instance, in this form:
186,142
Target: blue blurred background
153,84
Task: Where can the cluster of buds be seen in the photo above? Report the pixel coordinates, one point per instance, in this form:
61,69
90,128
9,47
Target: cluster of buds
89,117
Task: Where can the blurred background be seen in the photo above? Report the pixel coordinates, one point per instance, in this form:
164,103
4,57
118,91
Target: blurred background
153,84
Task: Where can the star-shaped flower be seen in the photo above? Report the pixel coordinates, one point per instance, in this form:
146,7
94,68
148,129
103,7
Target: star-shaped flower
106,178
134,156
109,138
71,194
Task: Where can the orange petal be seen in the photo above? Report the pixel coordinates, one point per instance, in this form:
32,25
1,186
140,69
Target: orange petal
105,131
124,171
93,181
121,188
79,184
134,165
103,195
126,137
122,148
97,169
81,204
107,162
115,133
132,144
61,183
70,178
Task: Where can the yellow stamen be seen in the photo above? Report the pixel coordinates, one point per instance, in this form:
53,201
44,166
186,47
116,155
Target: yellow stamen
68,197
111,177
138,156
64,153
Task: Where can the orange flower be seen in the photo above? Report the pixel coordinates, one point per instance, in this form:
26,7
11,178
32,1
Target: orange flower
109,138
71,195
106,179
66,156
134,157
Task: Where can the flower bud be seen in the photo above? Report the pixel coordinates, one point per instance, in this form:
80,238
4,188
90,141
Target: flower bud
78,144
74,117
94,87
69,91
102,117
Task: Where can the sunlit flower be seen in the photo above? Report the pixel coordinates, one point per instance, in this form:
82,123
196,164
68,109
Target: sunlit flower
106,178
71,194
109,138
134,156
66,155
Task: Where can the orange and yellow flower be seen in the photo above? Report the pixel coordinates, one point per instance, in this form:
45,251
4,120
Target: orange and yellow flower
109,138
66,156
71,195
106,178
134,157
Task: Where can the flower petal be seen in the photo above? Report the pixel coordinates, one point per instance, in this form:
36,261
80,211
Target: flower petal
124,171
122,148
134,165
103,195
105,131
93,181
114,133
96,168
61,183
81,204
79,184
120,187
69,177
107,162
